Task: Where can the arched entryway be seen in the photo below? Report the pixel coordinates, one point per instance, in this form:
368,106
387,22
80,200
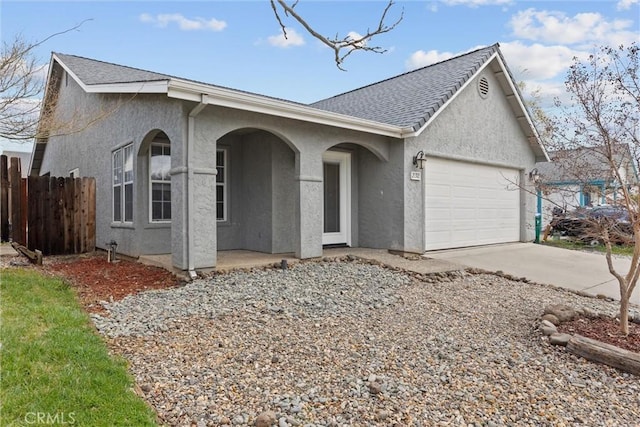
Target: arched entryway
255,192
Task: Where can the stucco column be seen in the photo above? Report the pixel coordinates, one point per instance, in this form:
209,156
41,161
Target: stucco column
310,200
202,251
193,197
202,206
178,215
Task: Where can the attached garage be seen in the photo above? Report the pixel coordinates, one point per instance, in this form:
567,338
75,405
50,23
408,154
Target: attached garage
469,204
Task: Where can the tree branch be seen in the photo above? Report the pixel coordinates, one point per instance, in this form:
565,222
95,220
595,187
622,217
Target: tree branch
21,85
342,46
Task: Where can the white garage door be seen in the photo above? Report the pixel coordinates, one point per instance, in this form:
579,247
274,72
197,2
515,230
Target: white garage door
470,204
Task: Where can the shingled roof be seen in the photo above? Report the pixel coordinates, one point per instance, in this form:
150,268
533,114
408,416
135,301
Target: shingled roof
94,72
395,107
410,99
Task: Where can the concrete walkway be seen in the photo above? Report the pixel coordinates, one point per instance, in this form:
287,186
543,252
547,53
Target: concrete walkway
582,271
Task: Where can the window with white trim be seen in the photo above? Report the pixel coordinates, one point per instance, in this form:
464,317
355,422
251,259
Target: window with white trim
221,185
160,182
122,161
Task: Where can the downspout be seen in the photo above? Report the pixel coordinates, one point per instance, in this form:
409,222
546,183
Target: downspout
190,142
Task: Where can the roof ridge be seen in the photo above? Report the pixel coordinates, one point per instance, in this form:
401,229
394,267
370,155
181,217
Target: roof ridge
493,47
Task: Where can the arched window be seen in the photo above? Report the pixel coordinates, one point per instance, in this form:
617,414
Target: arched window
160,179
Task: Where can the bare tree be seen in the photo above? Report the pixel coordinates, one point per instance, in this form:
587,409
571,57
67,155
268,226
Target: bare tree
20,84
342,46
602,121
22,80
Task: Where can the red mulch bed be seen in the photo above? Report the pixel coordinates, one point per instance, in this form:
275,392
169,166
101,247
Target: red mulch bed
97,280
605,330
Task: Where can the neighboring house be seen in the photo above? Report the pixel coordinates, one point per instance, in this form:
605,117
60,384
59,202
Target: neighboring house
25,159
583,177
190,169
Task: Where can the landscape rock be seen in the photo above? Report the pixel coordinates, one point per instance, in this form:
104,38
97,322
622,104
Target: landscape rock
359,344
563,312
551,318
266,419
548,330
559,339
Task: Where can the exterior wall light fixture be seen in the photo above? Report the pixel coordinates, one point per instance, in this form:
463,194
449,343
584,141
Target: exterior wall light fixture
534,176
419,160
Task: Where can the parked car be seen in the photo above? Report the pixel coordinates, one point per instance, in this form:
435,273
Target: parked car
589,224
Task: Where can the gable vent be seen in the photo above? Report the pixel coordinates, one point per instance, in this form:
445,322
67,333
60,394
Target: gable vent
483,87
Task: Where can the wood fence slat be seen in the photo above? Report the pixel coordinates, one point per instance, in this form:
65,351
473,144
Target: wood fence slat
24,210
18,234
84,211
44,188
77,215
58,229
68,215
91,214
32,212
4,199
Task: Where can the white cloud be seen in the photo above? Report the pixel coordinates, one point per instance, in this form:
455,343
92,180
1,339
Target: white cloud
477,3
421,58
536,61
292,39
185,24
557,27
626,4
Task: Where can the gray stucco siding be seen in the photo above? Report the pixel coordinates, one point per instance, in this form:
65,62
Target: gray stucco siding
380,197
478,130
117,121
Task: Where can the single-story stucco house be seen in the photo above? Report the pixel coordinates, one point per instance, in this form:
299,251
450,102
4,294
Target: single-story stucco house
435,158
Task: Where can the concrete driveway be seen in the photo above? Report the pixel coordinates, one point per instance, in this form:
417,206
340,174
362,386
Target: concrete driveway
577,270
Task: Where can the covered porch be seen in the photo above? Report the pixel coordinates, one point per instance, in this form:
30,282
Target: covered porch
274,188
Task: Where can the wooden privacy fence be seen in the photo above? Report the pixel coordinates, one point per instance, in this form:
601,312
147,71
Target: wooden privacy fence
53,215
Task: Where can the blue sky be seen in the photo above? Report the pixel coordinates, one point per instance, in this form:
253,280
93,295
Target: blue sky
238,44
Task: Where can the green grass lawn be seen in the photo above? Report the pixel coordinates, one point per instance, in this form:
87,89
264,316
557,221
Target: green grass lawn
55,369
575,245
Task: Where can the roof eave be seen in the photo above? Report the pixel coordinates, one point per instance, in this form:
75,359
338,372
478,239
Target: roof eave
213,95
160,86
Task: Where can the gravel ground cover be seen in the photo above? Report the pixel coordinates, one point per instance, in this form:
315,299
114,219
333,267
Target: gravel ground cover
352,343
